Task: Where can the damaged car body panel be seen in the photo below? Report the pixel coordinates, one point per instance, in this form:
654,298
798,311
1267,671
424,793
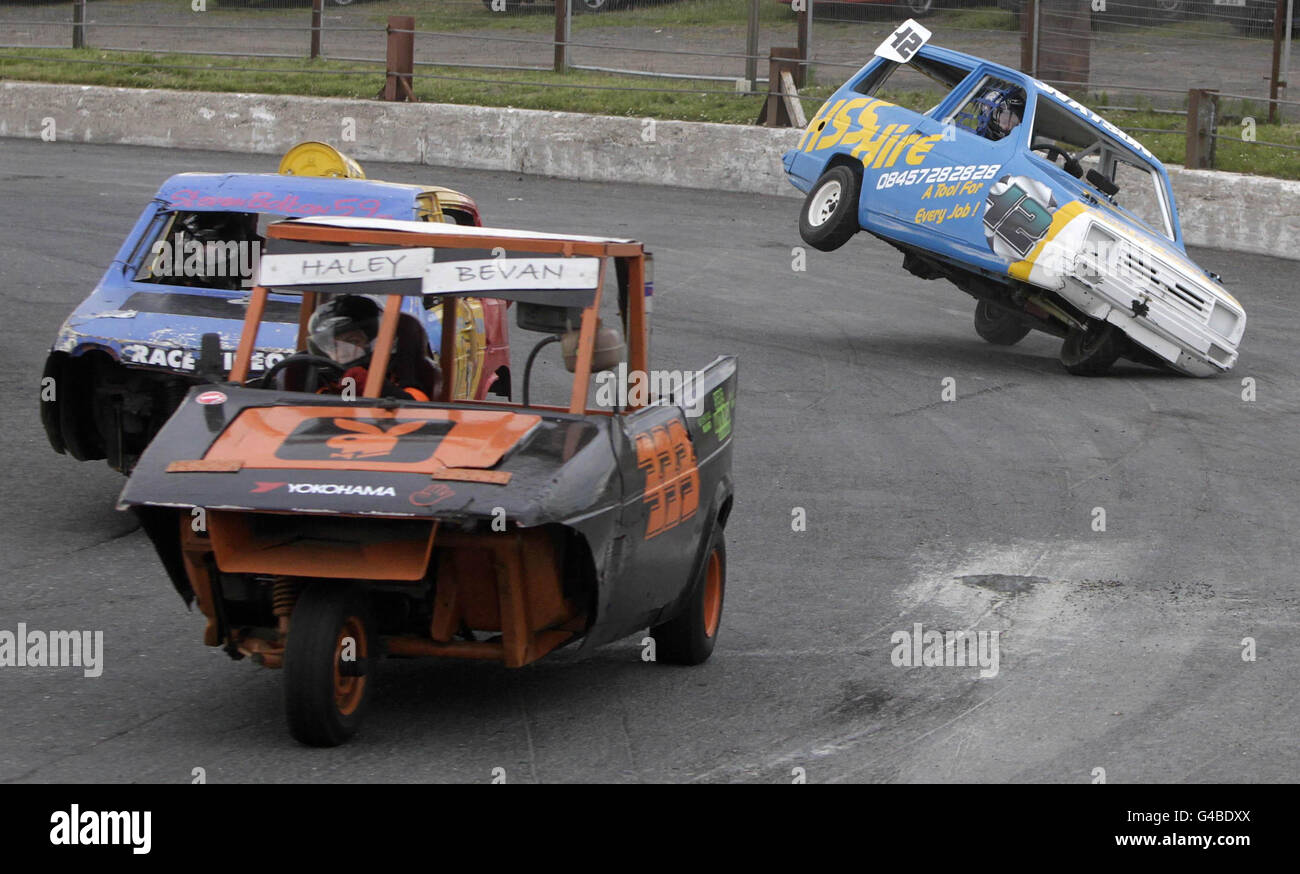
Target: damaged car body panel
465,528
1050,216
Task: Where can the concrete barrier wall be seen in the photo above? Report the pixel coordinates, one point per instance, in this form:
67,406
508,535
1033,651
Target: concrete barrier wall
1224,210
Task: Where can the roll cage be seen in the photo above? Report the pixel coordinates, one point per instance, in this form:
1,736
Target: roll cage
356,242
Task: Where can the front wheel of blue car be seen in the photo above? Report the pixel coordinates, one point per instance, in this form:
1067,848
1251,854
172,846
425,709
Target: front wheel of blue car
998,325
688,638
1092,351
830,211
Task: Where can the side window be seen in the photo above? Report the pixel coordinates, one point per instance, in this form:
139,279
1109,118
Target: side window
992,109
217,250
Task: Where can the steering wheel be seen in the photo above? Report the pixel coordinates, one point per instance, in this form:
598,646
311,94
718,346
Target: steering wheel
316,365
1073,167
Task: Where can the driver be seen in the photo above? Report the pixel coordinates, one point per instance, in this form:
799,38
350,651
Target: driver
1000,111
343,329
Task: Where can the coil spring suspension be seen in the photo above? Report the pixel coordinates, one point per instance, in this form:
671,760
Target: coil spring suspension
284,595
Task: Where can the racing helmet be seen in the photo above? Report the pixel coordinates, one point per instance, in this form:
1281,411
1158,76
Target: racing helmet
343,329
1000,110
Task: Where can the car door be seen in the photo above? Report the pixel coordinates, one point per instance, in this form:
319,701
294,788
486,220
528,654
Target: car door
945,199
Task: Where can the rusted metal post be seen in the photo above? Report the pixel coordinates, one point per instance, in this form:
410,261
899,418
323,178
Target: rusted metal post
751,45
315,27
1279,33
79,24
401,58
562,36
1202,119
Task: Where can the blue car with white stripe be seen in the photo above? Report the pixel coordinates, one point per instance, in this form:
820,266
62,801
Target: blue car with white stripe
1051,217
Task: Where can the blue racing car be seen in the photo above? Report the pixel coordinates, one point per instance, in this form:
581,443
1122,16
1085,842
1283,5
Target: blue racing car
1049,215
126,357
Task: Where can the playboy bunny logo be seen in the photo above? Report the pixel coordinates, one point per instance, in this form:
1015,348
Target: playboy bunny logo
367,440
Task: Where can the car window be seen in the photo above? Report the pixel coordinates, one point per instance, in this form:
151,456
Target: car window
992,109
1108,166
920,85
206,249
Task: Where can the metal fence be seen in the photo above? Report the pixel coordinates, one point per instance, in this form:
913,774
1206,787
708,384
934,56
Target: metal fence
1125,54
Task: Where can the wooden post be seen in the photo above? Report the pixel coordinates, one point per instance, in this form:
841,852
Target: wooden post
315,27
782,108
1279,34
1028,46
1202,118
751,46
79,24
401,58
805,42
562,35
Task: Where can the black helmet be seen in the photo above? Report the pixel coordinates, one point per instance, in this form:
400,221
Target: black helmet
1001,109
343,329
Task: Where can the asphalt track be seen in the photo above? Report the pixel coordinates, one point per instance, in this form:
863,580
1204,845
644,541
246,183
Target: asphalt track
1120,650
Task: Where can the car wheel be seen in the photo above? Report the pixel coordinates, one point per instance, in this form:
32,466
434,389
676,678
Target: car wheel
830,212
688,638
1166,10
1091,352
914,8
326,696
998,325
581,6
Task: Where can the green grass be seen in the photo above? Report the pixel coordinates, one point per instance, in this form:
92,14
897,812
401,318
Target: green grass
598,93
1232,156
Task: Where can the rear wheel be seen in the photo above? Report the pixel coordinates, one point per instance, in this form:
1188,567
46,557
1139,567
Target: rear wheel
328,664
914,8
998,325
1091,352
830,211
688,638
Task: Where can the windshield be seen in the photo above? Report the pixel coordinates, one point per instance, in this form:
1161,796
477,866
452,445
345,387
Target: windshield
1112,169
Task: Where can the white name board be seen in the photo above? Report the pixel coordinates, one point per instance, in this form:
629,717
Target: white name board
511,274
320,268
904,42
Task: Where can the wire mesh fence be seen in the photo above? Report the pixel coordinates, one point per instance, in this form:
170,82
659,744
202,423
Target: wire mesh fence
1139,56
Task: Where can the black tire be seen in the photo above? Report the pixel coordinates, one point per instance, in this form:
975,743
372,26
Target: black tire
1163,11
688,638
914,8
998,325
829,216
324,706
1092,352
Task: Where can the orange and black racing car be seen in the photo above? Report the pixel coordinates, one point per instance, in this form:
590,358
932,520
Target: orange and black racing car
323,513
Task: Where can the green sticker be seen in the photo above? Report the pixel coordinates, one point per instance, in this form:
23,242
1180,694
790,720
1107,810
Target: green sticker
721,414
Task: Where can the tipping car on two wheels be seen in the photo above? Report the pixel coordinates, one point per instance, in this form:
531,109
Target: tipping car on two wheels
1050,216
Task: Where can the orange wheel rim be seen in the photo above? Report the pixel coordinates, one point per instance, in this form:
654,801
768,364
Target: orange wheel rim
348,691
712,594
